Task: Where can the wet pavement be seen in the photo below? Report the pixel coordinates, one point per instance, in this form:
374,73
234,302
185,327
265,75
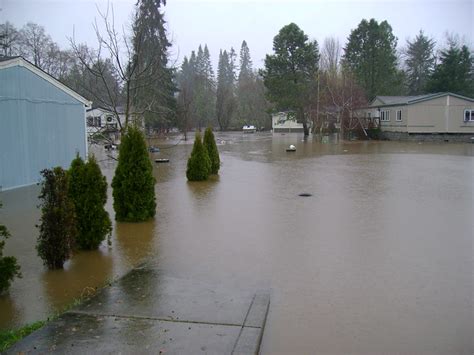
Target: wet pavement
148,312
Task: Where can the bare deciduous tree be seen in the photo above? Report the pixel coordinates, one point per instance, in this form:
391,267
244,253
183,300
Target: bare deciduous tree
9,39
115,56
330,55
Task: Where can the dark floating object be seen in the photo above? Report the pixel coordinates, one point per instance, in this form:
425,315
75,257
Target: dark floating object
153,149
162,160
305,194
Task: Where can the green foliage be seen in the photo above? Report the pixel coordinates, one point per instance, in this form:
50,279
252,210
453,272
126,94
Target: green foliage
196,99
9,268
58,227
199,164
370,54
211,147
455,72
225,94
251,103
133,184
153,78
10,337
88,191
290,73
420,63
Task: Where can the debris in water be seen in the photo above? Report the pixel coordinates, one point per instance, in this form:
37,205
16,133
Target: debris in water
305,194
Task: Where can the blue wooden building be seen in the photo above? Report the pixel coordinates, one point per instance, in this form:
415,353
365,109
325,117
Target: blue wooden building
42,123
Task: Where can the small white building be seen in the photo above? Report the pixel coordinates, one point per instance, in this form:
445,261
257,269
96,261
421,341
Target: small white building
286,122
102,121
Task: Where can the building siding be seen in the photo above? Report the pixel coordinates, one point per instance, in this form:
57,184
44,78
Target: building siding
441,115
456,122
41,127
393,125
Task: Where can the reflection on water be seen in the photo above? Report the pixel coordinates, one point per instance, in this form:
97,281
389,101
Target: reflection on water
81,275
378,260
135,241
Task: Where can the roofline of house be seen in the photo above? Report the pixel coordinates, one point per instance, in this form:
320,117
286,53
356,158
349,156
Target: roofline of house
415,101
105,109
22,62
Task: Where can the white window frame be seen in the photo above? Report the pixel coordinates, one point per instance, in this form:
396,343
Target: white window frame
471,116
385,116
398,116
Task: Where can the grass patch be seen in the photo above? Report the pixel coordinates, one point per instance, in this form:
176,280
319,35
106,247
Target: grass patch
10,337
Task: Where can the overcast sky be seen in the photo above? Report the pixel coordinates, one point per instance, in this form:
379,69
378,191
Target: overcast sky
225,23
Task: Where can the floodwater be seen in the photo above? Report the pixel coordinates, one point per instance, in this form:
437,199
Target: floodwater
378,260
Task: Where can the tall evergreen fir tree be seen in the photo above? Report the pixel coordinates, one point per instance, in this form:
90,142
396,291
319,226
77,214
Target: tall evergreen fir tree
185,81
154,93
133,183
370,54
455,71
88,191
245,62
250,93
420,63
203,88
290,73
245,86
210,144
225,94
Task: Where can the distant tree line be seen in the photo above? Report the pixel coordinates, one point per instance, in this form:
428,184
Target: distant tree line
309,79
236,96
316,83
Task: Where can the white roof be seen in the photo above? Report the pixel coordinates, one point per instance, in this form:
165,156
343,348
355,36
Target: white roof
19,61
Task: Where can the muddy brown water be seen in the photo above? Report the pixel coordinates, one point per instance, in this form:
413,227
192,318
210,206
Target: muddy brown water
379,259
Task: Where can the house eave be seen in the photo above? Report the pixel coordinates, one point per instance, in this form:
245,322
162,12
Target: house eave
22,62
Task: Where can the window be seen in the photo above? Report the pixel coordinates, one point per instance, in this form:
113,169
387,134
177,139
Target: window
468,115
399,115
385,116
93,121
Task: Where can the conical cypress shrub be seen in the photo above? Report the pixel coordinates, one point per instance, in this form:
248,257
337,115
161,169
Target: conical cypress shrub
199,164
133,183
88,191
57,227
210,144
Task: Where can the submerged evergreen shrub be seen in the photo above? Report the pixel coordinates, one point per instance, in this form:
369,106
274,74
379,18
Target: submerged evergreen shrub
9,268
133,184
199,164
88,191
58,228
210,144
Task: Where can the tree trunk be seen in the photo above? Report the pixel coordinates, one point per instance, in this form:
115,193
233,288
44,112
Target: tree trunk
301,118
341,130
